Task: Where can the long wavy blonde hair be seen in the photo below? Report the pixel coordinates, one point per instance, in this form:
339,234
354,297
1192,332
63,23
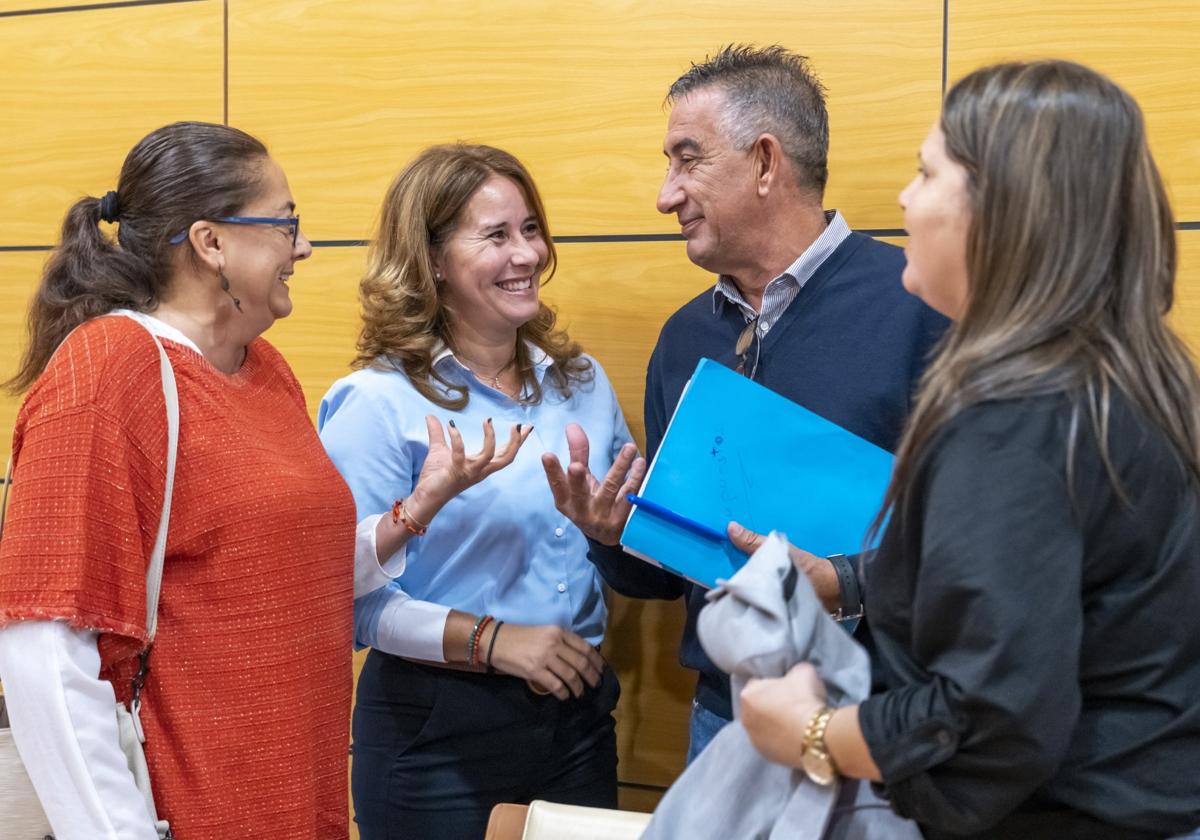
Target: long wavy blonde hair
404,310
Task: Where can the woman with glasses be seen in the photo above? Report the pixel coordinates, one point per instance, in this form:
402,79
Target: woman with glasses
244,707
476,597
1033,599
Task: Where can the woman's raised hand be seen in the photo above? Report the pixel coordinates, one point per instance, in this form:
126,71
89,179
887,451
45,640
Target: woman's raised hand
448,470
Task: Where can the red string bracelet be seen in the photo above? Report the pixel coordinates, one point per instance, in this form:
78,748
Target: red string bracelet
400,513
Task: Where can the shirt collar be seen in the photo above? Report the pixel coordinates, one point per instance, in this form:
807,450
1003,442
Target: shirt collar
541,360
799,272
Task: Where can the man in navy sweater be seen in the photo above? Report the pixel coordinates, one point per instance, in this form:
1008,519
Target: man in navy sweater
802,305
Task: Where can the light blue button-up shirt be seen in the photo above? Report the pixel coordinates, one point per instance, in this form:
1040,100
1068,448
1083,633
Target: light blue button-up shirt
500,547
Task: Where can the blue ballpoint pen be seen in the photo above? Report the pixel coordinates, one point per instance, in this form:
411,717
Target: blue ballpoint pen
669,515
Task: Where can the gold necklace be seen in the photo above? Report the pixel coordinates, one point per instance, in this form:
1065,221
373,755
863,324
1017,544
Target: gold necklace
491,380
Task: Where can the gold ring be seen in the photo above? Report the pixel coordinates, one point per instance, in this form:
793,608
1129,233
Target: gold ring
536,689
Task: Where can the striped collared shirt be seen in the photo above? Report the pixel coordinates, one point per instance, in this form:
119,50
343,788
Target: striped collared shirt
781,291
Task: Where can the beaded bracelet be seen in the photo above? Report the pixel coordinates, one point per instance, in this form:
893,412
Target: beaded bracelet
487,619
492,644
476,635
400,512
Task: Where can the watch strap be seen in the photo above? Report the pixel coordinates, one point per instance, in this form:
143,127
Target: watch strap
851,605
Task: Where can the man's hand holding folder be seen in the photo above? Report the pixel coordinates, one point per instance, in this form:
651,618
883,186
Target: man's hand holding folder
601,508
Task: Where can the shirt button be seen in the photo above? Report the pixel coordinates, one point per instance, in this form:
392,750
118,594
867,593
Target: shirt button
562,587
944,738
558,532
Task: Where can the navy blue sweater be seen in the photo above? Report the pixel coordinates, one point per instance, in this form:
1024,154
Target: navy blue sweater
850,347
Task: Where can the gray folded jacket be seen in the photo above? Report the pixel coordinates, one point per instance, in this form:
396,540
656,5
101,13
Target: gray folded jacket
760,623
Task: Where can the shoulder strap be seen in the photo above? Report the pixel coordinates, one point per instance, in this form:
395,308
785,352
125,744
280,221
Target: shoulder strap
4,501
154,572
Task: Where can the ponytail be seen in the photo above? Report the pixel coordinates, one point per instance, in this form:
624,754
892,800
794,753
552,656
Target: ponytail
173,176
87,276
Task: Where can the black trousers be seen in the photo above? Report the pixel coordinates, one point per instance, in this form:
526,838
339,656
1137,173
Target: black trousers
435,749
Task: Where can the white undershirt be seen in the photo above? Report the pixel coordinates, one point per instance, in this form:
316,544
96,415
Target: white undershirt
65,728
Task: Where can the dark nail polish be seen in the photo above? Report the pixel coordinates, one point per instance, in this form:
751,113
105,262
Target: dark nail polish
452,426
488,421
518,428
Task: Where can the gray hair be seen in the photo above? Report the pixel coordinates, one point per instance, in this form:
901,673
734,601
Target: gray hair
768,90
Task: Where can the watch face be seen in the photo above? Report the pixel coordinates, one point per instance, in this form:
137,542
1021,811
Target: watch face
818,767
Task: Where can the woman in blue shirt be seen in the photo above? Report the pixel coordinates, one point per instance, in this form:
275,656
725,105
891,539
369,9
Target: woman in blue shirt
476,597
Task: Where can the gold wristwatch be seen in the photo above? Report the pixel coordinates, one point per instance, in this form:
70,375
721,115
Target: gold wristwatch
817,762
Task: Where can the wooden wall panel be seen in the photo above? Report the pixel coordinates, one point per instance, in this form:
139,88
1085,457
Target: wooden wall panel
1148,47
1185,317
318,337
613,298
80,88
19,275
350,90
656,691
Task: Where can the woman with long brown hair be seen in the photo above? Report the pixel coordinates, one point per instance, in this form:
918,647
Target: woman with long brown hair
244,702
476,597
1034,595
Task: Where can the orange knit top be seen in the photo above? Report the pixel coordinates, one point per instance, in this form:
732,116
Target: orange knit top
246,707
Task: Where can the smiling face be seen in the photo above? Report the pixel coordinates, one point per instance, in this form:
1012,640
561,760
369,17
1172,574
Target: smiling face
259,259
491,264
937,216
710,186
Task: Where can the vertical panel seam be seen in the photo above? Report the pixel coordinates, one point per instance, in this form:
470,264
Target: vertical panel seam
945,42
225,61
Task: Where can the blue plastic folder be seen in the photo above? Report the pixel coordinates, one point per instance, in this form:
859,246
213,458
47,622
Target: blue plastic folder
735,450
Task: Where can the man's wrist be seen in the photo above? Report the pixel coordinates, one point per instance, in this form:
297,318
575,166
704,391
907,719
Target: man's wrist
850,603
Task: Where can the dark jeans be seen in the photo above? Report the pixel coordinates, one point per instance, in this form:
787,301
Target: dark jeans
435,749
703,727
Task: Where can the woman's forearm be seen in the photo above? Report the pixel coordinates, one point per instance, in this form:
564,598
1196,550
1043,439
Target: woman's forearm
847,746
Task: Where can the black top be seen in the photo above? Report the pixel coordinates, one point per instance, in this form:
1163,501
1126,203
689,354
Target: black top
850,347
1040,636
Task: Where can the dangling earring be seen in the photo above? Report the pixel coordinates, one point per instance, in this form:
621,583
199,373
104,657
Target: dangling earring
225,288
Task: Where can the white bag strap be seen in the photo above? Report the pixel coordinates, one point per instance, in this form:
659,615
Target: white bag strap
154,573
4,501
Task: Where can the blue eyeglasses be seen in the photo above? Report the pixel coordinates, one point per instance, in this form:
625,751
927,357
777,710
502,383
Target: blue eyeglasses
285,221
